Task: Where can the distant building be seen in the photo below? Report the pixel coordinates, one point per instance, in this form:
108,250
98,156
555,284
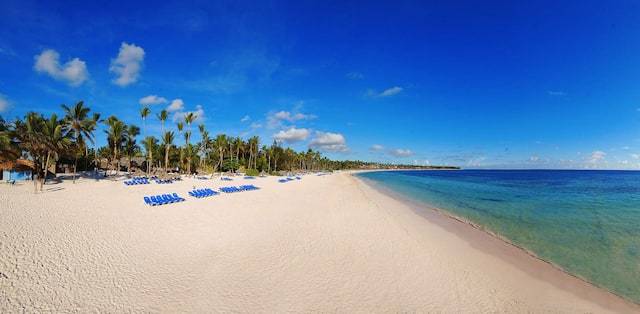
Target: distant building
18,170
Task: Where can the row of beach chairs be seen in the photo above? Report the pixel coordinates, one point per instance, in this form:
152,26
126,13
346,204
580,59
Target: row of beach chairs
199,193
287,179
163,199
137,181
166,181
242,188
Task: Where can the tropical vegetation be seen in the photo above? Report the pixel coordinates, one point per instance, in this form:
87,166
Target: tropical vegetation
49,140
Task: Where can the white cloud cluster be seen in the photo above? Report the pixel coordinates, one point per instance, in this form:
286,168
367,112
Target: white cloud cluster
292,135
198,113
376,148
152,100
74,72
275,119
245,118
4,103
176,105
596,156
385,93
398,152
177,108
128,64
327,141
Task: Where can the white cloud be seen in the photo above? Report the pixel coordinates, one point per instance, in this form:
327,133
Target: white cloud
597,156
385,93
327,141
355,76
398,152
635,156
534,158
198,113
73,72
275,120
245,119
376,148
128,64
255,125
176,105
4,103
291,135
152,100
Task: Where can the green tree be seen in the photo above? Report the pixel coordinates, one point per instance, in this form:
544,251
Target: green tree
80,126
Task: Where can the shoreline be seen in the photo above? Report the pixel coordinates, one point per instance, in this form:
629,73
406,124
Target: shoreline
469,230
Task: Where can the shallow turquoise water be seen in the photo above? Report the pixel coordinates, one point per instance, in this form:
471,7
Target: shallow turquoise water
587,222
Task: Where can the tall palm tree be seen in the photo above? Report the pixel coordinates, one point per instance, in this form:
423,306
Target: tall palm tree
188,119
220,143
56,141
162,116
78,123
144,112
187,150
203,144
116,136
180,126
150,143
130,143
167,141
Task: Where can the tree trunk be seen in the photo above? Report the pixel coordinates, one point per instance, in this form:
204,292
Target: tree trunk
75,167
166,158
46,168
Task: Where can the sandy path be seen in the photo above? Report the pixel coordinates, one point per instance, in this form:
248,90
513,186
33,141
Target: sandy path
322,244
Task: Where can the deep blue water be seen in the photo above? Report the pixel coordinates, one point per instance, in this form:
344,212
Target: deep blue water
587,222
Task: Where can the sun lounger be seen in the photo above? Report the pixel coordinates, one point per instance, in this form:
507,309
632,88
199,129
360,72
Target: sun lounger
283,180
148,201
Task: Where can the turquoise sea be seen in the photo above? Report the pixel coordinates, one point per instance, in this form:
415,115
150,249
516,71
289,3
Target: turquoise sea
587,222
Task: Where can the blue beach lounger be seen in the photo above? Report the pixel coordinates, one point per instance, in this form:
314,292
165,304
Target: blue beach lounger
148,201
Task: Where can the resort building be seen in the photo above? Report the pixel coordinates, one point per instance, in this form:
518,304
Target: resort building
18,170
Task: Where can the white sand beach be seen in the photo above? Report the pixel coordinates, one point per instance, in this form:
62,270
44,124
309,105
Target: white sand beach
321,244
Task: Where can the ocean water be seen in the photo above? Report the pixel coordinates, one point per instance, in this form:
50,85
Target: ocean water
587,222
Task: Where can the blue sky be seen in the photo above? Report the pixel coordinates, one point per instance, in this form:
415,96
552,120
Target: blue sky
474,84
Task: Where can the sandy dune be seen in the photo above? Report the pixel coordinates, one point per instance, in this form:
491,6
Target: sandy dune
322,244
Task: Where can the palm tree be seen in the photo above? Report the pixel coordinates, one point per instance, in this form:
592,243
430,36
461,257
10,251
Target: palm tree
116,135
220,142
78,123
180,126
162,116
187,150
238,143
150,143
30,138
9,149
56,141
167,141
203,146
188,119
130,143
254,143
144,112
